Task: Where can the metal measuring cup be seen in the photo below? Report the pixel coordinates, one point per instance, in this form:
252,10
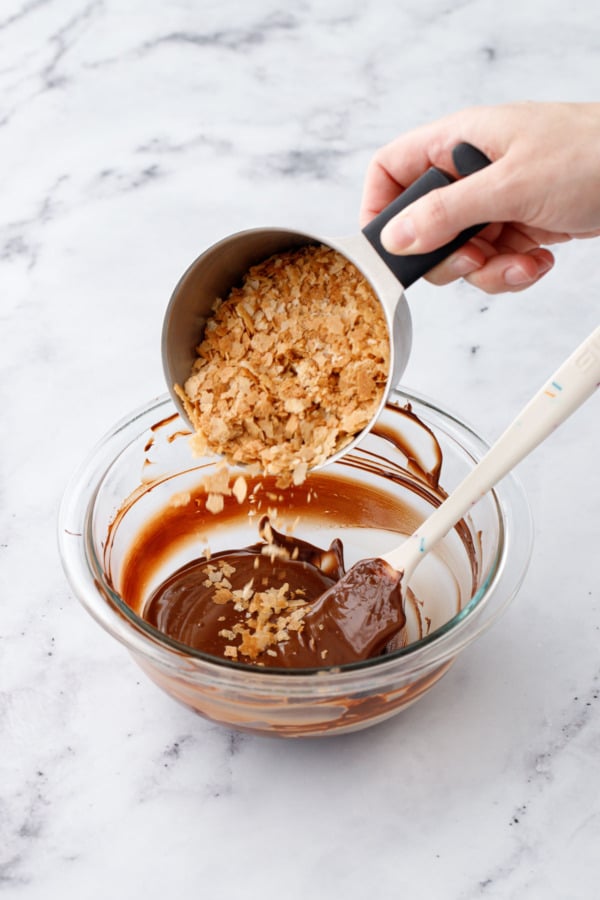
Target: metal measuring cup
222,266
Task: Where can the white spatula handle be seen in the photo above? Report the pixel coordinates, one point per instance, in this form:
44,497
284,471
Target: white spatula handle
566,390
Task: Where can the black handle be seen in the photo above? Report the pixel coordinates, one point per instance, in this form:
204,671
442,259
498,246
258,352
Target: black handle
408,269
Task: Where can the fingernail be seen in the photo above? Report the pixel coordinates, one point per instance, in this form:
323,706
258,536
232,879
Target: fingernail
544,265
516,275
463,265
398,234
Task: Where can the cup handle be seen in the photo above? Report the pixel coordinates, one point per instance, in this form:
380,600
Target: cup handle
408,269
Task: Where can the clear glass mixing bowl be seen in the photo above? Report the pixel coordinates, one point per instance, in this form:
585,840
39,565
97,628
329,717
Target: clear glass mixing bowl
145,462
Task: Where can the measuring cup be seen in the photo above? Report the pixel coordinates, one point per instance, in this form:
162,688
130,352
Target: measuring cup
222,266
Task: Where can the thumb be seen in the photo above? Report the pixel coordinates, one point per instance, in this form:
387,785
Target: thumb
439,216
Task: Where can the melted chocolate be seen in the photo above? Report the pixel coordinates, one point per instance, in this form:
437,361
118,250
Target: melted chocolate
346,617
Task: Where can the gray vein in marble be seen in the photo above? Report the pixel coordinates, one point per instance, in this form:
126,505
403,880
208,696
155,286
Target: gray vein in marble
320,163
222,786
540,763
63,40
21,240
23,814
16,238
60,42
217,784
22,13
119,181
164,145
544,758
501,873
232,38
174,751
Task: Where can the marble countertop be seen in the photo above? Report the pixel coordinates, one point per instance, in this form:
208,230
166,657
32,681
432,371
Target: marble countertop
133,135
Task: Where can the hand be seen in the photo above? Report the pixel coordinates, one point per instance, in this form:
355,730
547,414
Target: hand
543,188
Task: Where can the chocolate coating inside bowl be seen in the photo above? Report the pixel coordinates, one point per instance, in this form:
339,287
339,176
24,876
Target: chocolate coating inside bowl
325,616
286,604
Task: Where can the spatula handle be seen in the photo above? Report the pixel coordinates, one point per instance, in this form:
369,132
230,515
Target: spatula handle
573,382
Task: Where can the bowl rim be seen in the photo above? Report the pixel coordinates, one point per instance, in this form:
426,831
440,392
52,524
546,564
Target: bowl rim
85,575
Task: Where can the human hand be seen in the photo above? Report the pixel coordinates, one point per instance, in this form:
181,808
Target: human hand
543,188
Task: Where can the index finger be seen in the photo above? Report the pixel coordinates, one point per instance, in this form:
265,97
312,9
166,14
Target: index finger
399,163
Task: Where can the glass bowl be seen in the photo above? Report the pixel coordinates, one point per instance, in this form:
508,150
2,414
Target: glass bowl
132,515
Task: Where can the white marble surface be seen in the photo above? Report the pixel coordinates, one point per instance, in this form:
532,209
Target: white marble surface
133,133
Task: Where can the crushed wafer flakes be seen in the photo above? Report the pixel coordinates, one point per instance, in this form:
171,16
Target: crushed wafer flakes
272,513
222,595
182,498
275,551
265,530
271,614
240,489
213,575
227,633
293,364
215,503
218,481
218,485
